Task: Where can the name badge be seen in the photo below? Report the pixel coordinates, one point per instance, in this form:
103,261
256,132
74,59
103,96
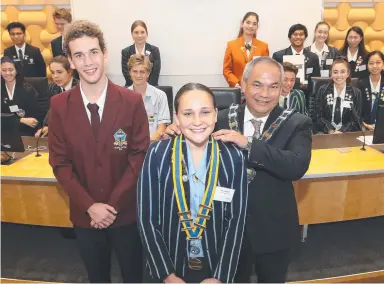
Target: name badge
309,70
362,67
346,104
14,108
329,61
224,194
324,73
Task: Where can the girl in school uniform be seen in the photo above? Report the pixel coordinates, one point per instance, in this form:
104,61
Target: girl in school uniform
372,88
338,103
18,97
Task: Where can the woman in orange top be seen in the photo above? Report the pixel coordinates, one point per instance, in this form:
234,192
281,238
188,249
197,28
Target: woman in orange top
243,49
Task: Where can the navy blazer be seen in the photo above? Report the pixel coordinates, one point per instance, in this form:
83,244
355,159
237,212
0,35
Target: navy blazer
33,64
154,57
164,243
57,47
366,93
311,61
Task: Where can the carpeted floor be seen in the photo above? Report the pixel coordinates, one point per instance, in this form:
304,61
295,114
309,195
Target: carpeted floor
41,253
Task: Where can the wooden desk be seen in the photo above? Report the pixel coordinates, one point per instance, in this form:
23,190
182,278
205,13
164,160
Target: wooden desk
338,186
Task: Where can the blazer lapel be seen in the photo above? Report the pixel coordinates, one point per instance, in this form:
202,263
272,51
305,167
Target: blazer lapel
110,112
78,115
241,44
272,117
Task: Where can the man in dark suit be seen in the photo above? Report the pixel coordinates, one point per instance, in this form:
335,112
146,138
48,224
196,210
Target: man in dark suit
28,58
97,143
297,35
62,18
279,152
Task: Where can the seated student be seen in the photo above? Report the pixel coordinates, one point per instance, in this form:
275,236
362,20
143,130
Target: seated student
243,49
372,88
354,49
297,35
139,33
321,48
155,100
291,98
63,80
184,183
28,58
18,97
334,101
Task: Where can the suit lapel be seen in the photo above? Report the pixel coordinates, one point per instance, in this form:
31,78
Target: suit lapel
241,43
272,117
110,112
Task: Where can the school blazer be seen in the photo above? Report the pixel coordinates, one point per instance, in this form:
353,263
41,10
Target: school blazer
236,58
366,95
164,243
312,61
33,63
57,46
324,110
355,68
272,220
296,101
104,168
152,52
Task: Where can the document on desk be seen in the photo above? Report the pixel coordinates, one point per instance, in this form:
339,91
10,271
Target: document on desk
368,139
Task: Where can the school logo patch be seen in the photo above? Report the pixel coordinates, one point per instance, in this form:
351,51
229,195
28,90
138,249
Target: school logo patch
120,140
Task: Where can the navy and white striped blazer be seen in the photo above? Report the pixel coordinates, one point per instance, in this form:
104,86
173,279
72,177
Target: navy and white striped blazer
164,243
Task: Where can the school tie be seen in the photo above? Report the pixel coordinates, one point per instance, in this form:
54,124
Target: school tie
62,89
95,118
285,102
21,57
337,116
374,107
257,125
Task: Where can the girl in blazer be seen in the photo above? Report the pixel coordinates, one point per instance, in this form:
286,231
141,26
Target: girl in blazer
140,34
321,48
338,100
354,49
63,80
18,97
243,49
189,231
372,88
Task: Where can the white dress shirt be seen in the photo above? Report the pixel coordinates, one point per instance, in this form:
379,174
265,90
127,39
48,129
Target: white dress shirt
319,53
69,85
142,52
249,129
10,92
342,96
100,102
352,57
294,52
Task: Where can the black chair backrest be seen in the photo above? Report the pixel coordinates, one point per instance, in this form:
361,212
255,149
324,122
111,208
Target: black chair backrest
226,96
297,85
41,86
168,90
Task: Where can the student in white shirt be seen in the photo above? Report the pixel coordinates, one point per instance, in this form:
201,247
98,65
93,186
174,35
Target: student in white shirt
321,48
155,100
338,103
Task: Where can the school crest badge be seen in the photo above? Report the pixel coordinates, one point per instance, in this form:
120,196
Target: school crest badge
120,140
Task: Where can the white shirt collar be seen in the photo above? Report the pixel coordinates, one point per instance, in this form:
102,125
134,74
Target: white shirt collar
342,94
142,52
11,93
354,57
22,49
100,101
373,89
248,126
294,52
69,85
316,51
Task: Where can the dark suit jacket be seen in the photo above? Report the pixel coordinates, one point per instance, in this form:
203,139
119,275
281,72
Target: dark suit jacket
53,90
164,243
95,170
366,93
311,61
272,222
33,63
154,57
57,46
25,98
332,54
324,110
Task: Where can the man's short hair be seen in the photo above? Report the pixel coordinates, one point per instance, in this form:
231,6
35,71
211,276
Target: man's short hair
79,29
297,27
262,59
289,67
139,59
62,14
15,25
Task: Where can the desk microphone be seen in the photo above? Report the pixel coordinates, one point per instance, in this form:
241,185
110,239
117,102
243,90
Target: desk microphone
38,139
356,117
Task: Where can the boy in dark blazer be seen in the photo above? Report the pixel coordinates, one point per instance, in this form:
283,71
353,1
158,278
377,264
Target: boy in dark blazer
97,143
28,58
62,18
